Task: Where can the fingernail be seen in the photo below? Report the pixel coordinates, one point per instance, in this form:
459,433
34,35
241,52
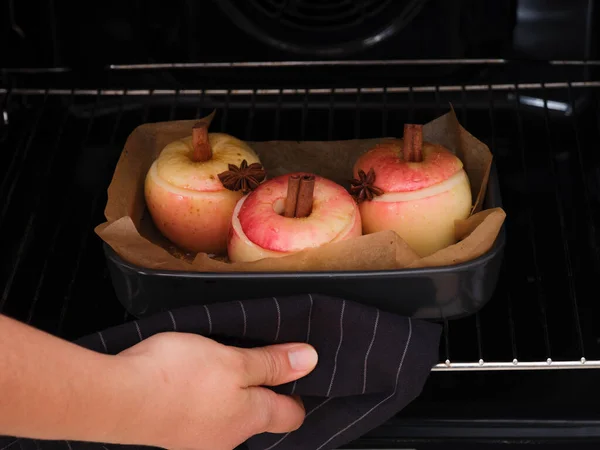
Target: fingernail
303,358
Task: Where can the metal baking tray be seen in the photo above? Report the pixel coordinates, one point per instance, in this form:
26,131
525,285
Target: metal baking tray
435,293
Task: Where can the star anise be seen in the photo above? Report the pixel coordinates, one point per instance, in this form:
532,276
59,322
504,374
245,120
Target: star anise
363,188
245,177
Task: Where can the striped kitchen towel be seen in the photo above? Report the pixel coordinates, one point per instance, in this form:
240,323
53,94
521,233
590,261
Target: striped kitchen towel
371,363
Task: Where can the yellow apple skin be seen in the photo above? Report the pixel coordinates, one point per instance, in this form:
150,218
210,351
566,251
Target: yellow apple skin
421,200
187,201
258,230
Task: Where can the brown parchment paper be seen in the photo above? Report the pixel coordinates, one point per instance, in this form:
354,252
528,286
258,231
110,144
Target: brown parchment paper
129,230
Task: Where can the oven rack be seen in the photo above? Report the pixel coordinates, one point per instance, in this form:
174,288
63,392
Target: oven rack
315,63
311,91
53,275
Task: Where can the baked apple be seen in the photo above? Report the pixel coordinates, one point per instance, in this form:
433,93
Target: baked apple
415,188
291,213
194,184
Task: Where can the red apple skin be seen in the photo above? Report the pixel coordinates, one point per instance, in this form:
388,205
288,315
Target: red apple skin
421,200
187,201
258,230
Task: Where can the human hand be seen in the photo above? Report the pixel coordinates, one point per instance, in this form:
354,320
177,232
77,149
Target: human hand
200,394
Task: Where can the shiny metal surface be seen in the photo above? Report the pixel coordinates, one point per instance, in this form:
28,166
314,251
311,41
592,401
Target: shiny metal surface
481,365
334,63
317,91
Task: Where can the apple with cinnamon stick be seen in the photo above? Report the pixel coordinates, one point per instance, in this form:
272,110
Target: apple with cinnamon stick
291,213
194,184
415,188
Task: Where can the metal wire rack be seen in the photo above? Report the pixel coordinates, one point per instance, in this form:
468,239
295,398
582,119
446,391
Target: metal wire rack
58,147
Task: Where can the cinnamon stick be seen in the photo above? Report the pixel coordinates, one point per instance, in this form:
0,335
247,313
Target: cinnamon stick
305,196
200,143
202,150
413,142
292,196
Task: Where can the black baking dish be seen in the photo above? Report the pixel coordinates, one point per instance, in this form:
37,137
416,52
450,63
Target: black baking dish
429,293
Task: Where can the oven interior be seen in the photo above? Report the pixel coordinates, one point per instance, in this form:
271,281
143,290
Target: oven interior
75,82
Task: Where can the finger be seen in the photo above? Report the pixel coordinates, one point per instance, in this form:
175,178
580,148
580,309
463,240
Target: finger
277,364
275,413
298,400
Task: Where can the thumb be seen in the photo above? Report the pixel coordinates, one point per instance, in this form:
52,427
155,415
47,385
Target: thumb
277,364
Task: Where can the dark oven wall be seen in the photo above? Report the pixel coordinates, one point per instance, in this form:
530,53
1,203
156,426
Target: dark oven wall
94,34
90,36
